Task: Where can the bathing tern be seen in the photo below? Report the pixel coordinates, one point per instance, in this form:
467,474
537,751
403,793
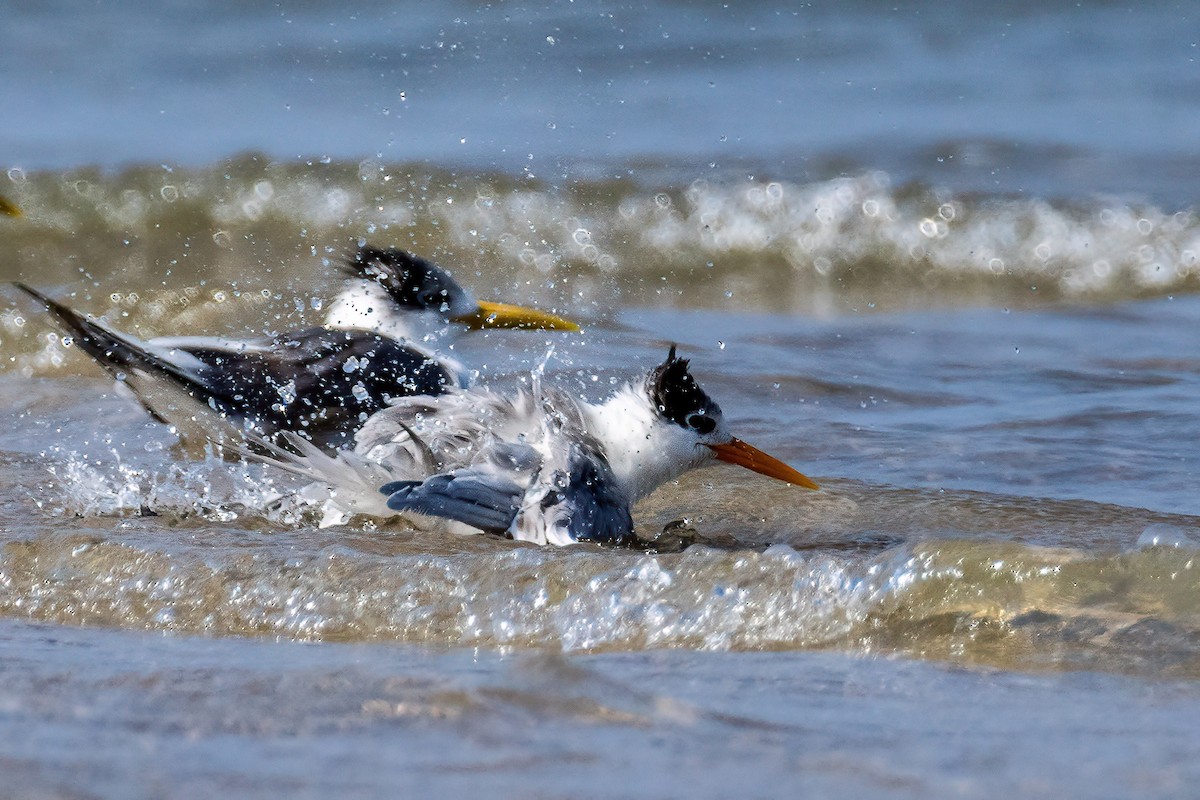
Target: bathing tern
539,465
323,382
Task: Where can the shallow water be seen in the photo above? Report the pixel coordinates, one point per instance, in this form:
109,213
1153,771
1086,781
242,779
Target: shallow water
957,288
976,500
981,509
188,716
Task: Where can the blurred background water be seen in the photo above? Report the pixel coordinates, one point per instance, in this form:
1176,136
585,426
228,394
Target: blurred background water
943,258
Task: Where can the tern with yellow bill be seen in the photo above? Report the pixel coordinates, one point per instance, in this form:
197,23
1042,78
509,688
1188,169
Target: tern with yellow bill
539,465
377,345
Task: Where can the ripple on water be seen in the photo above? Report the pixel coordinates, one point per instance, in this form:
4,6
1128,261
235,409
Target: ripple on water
985,601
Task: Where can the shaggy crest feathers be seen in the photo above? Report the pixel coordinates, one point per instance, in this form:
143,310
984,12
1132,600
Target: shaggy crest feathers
678,398
411,281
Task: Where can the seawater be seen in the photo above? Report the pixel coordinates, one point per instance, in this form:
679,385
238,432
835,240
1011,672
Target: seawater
946,263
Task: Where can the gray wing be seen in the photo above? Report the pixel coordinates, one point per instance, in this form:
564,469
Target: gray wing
521,466
486,495
319,382
598,512
487,502
580,503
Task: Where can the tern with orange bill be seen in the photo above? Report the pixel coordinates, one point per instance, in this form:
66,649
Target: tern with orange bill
539,465
383,338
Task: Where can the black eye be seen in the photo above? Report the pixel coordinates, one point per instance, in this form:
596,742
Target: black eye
701,423
431,299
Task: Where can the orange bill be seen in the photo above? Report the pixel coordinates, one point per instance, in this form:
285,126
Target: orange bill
735,451
502,315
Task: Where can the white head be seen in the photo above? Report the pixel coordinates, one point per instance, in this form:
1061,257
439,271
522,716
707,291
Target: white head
658,431
404,296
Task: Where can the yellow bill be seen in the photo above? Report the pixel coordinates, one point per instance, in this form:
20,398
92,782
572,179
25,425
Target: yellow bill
735,451
502,315
9,208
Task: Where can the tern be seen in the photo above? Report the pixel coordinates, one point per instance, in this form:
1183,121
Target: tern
539,465
322,382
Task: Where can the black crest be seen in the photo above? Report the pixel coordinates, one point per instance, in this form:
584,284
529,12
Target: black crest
678,398
412,281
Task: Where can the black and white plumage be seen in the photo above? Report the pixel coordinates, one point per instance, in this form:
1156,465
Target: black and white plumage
539,465
322,382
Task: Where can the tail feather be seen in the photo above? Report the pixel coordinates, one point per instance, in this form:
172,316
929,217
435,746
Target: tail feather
115,352
124,357
353,481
